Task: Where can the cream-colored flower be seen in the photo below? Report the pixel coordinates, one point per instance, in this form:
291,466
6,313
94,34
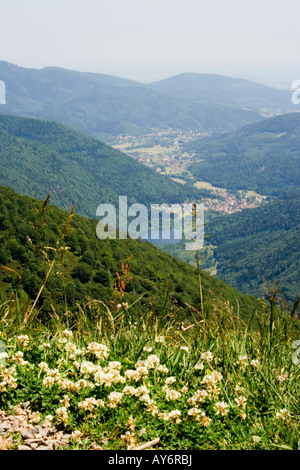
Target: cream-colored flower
114,399
207,356
241,402
255,363
283,414
170,380
23,340
62,415
162,369
242,362
221,408
204,420
174,416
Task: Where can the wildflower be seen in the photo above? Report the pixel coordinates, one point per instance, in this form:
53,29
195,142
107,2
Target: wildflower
18,358
256,439
44,346
283,414
174,416
115,365
8,379
241,402
48,420
68,385
34,417
131,423
152,408
213,393
141,391
65,401
184,389
152,361
242,362
48,382
132,375
142,371
221,408
44,367
87,368
199,366
62,415
170,380
67,334
185,348
207,356
239,389
114,398
282,377
162,369
147,348
163,416
255,363
70,347
128,438
54,373
101,351
23,340
209,380
204,420
81,384
160,339
198,397
172,394
243,415
128,390
76,435
194,413
90,403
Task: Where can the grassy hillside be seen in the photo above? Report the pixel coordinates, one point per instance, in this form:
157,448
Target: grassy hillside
258,244
226,91
88,269
263,157
102,105
39,157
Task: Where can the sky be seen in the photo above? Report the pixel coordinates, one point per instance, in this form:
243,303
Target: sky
152,39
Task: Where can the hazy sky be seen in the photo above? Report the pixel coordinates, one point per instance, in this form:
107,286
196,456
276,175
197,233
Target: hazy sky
148,39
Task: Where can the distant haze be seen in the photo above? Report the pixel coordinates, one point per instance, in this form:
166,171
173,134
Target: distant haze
148,40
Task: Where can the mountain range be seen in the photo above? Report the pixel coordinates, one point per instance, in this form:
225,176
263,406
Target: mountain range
103,106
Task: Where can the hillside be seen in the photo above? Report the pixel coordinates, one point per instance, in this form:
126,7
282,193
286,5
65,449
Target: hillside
263,157
258,244
39,157
103,106
88,269
226,91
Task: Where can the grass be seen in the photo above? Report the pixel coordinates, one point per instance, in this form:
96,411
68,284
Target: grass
194,384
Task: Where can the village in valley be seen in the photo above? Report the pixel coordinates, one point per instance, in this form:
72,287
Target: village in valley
162,150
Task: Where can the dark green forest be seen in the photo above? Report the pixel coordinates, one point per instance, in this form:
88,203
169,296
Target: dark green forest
263,157
41,157
30,238
258,245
